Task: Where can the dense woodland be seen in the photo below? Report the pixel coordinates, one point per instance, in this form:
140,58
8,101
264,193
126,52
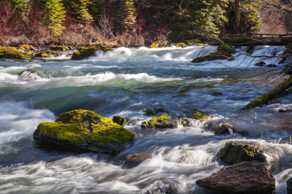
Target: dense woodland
128,22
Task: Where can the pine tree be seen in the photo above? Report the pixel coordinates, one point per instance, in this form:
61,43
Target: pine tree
56,16
22,7
129,15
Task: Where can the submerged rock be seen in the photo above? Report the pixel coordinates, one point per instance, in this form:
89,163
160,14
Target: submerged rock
219,127
134,160
289,186
29,75
163,121
243,178
237,151
154,111
83,53
84,130
161,187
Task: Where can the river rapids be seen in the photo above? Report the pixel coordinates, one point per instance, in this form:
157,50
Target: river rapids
126,81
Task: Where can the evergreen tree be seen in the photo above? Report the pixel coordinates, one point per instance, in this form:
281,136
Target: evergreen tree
56,16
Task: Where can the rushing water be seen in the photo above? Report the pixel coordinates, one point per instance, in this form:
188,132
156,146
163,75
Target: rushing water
125,82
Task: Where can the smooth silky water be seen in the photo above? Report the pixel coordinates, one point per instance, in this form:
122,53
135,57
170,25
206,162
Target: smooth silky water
124,82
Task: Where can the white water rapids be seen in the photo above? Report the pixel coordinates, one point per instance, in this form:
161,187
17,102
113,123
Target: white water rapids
124,82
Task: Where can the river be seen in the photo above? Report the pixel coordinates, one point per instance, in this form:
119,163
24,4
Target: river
124,82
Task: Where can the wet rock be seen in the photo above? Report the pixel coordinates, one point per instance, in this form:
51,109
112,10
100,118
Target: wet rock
272,65
242,178
199,115
224,52
134,160
29,75
83,53
120,120
83,130
163,121
237,151
154,111
185,122
289,186
219,127
260,64
161,187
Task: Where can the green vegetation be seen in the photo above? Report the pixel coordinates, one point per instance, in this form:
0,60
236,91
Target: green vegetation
22,6
56,16
15,53
84,129
163,121
199,115
127,21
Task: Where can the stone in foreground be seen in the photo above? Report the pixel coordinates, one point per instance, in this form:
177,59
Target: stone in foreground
243,178
238,151
289,186
84,130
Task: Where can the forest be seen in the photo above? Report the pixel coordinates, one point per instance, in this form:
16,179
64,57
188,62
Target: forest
127,22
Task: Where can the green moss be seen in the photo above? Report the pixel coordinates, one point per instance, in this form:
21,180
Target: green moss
160,122
84,53
15,53
181,45
270,95
199,115
84,129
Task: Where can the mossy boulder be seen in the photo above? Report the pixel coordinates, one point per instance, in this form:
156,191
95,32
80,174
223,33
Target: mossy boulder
220,127
236,152
199,115
84,52
15,53
163,121
224,52
84,130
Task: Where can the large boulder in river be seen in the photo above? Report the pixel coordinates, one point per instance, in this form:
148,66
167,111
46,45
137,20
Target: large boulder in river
243,178
84,130
84,52
163,121
239,151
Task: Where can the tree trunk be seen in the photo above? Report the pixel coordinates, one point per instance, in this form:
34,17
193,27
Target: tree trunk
237,15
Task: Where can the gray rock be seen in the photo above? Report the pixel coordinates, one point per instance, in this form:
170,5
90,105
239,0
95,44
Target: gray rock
243,178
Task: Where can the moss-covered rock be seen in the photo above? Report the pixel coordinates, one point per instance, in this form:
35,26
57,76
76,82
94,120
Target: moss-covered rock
15,53
163,121
84,130
84,52
181,45
199,115
236,152
224,52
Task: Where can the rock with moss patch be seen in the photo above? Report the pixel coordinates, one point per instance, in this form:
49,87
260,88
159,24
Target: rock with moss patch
163,121
199,115
83,53
237,151
15,53
84,130
224,52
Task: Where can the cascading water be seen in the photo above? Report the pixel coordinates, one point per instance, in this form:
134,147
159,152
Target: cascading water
124,82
